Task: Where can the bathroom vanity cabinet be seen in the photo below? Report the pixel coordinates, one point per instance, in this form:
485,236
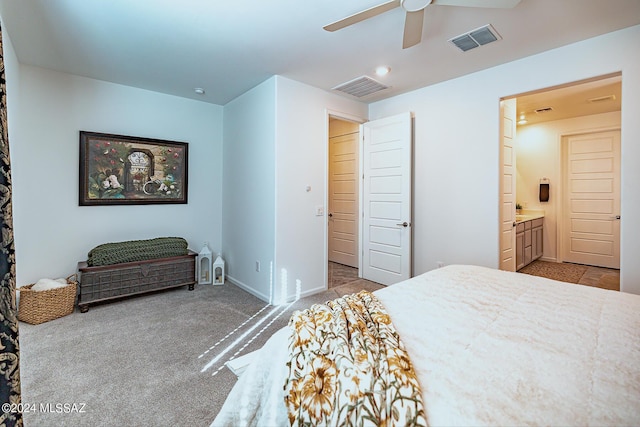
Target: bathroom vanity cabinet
528,241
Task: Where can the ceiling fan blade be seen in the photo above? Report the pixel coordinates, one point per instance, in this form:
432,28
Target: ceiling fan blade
500,4
361,16
413,28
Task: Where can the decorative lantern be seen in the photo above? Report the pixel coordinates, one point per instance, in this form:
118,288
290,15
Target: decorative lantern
218,271
203,266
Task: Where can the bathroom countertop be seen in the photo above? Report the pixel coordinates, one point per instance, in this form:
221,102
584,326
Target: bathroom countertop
529,216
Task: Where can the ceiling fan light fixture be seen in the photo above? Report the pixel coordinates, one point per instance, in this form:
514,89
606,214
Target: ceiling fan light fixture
414,5
414,18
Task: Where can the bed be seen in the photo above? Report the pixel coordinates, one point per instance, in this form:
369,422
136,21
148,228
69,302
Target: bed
490,348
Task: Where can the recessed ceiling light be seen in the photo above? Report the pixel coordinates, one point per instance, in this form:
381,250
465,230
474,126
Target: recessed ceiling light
383,70
199,91
523,119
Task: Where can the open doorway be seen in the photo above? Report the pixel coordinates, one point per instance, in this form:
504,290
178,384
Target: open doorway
565,137
343,226
369,197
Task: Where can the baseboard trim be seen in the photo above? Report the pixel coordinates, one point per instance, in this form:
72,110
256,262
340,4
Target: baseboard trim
248,288
290,298
309,292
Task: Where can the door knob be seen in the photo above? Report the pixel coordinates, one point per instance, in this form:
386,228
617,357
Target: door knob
330,215
404,224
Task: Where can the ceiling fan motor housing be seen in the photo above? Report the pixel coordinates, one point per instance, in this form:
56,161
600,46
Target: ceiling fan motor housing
414,5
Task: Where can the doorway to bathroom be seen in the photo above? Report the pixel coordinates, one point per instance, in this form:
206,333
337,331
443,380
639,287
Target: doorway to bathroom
568,137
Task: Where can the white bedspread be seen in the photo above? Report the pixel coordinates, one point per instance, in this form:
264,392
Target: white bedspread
492,348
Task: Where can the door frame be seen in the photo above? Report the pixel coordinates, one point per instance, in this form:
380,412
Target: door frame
350,118
560,219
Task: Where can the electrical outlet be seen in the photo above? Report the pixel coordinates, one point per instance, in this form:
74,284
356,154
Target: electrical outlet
440,264
258,266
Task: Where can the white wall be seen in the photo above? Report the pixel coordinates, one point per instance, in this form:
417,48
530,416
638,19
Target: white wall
248,218
301,161
538,155
457,147
275,145
52,232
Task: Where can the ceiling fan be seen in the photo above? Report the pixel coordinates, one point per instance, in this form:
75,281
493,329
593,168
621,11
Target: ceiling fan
415,14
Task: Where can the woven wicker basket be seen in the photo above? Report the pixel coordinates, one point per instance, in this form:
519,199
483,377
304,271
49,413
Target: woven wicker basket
42,306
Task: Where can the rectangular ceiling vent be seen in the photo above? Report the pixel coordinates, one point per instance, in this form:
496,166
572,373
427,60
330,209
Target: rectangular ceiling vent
476,38
544,110
361,87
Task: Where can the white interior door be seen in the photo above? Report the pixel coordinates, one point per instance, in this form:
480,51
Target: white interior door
386,231
508,186
343,192
592,199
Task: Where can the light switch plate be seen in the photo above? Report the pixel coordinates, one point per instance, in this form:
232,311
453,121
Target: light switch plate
320,211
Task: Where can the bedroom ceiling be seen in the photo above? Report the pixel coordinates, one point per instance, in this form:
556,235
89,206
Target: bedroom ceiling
228,47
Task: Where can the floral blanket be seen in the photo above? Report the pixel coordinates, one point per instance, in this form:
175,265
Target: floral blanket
348,367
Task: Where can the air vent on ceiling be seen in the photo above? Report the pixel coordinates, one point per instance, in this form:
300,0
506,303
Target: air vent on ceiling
476,38
544,110
602,98
361,86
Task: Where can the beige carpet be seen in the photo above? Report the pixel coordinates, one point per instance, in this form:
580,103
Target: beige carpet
143,361
553,270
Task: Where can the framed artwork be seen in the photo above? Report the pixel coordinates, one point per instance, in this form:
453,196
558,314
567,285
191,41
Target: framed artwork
126,170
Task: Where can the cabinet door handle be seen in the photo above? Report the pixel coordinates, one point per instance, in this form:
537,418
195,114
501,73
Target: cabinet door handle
615,217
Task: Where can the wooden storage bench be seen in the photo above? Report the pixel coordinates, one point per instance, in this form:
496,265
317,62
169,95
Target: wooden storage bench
107,282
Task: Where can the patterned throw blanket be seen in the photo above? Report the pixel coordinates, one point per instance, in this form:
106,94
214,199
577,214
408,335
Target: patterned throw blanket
349,368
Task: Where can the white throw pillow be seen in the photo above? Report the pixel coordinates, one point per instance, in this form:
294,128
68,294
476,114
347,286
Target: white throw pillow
46,284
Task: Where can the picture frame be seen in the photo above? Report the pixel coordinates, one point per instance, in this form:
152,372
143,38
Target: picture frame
128,170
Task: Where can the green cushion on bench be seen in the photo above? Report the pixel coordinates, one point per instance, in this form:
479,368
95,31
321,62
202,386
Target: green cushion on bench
137,250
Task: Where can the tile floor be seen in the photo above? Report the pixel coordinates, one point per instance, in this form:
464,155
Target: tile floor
340,274
606,278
